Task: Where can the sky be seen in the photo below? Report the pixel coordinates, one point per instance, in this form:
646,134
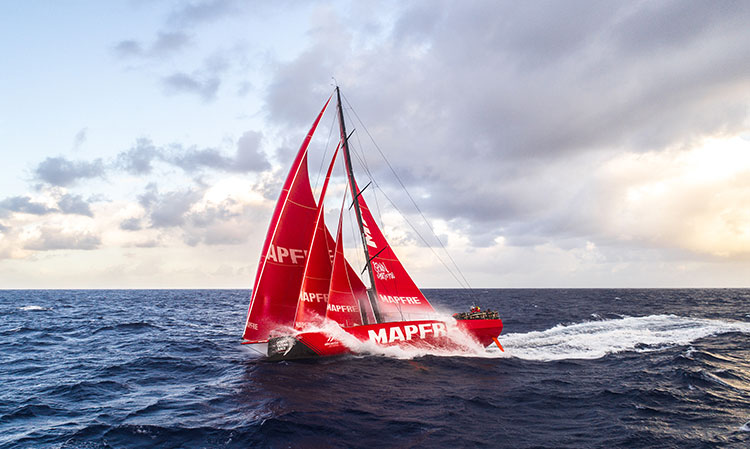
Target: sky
548,144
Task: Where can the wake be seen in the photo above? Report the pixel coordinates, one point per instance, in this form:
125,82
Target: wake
588,340
596,339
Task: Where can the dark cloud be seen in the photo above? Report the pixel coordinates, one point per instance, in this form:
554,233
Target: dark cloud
203,86
165,44
249,157
213,214
147,244
494,125
140,158
192,13
131,224
219,224
61,172
167,209
80,138
128,48
203,82
192,159
137,160
74,204
55,239
23,204
66,204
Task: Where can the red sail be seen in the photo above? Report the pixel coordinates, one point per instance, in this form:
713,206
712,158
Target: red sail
399,298
282,262
347,291
313,294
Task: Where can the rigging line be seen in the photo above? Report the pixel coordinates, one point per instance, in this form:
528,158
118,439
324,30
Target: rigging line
353,236
464,283
325,152
407,192
366,167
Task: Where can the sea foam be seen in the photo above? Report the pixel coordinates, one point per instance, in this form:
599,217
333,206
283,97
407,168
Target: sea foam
596,339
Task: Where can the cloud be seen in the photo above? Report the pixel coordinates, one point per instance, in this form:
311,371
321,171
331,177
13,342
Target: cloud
201,85
131,224
168,209
223,223
203,82
51,238
138,159
66,204
24,204
80,138
74,204
192,160
249,157
61,172
128,48
192,13
500,132
165,44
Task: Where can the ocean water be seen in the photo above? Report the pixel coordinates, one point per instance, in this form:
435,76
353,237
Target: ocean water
582,368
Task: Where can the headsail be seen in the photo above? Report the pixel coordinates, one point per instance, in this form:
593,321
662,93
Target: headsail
282,262
347,292
313,294
398,296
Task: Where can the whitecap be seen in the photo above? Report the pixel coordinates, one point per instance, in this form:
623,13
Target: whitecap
745,427
33,308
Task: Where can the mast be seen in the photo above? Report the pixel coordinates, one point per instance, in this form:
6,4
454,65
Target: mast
371,292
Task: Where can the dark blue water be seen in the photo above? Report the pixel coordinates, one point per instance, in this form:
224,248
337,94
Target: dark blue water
583,368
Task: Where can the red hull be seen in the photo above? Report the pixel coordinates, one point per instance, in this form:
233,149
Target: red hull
424,333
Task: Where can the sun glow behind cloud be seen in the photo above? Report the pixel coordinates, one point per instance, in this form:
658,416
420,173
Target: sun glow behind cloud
694,198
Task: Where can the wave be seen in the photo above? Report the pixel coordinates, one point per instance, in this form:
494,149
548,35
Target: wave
596,339
135,326
33,308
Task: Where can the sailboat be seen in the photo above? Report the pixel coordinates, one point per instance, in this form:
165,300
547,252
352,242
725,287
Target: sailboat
308,301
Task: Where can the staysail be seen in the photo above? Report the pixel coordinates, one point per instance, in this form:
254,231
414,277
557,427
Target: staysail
347,292
313,294
282,262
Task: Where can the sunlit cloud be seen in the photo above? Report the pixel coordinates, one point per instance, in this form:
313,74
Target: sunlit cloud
691,198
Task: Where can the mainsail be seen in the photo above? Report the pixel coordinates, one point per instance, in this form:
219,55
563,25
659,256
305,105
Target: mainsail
282,262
